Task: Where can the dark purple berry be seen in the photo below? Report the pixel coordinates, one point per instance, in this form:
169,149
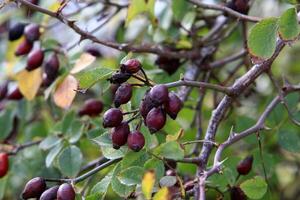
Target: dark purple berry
34,188
146,105
173,106
136,141
15,95
23,48
131,66
112,118
119,135
35,59
3,90
91,107
119,77
113,89
156,119
94,51
159,94
16,31
169,65
241,6
245,165
50,194
32,32
65,192
123,94
52,66
236,193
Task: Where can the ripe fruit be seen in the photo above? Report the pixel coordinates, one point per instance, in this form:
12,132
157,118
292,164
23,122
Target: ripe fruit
34,188
136,141
119,77
15,95
112,118
173,106
241,6
123,94
131,66
236,193
50,194
245,165
16,31
4,164
35,59
23,48
145,106
3,90
119,135
169,65
91,107
52,66
159,94
156,119
94,51
65,192
32,32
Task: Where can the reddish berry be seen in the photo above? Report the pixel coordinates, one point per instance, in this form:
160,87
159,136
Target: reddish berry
156,119
23,48
241,6
34,188
146,105
35,59
159,94
236,193
136,141
65,192
3,90
123,94
94,51
47,81
131,66
15,95
4,164
173,106
245,165
91,107
112,118
32,32
16,31
169,65
119,135
52,66
119,77
50,194
113,89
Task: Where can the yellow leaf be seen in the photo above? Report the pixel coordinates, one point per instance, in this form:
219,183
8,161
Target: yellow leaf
148,183
162,194
65,92
176,137
29,82
83,62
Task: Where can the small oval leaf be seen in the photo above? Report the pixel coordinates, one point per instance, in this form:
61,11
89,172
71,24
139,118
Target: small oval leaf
288,25
254,188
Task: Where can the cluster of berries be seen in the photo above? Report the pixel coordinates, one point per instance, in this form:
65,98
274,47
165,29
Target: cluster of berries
37,188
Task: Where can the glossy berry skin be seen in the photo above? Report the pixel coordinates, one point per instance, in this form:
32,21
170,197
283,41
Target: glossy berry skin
34,188
4,164
112,118
32,32
91,107
145,106
119,78
35,59
50,194
173,105
119,135
24,48
131,66
159,94
156,119
123,94
136,141
236,193
94,51
245,165
169,65
16,31
3,90
15,95
65,192
51,66
241,6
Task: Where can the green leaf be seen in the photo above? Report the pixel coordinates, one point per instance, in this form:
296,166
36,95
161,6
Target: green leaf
70,161
49,142
53,154
75,131
6,123
179,8
134,159
138,7
3,185
289,140
288,25
121,189
171,150
167,181
101,187
262,38
254,188
89,77
110,153
131,176
156,165
103,140
67,121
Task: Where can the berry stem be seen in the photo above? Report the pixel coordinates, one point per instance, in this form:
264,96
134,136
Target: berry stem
130,112
133,118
